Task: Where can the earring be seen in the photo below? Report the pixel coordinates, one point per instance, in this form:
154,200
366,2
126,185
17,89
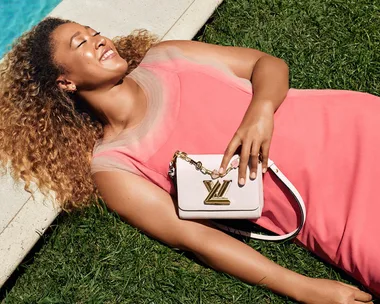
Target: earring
72,89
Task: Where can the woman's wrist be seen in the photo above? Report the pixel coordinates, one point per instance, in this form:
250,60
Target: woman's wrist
297,286
303,290
259,109
265,104
262,106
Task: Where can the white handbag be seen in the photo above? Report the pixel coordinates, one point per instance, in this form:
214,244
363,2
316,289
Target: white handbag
204,194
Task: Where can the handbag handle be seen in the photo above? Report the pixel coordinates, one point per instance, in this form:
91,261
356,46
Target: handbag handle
285,237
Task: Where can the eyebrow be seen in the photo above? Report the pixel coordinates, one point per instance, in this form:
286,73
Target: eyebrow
76,34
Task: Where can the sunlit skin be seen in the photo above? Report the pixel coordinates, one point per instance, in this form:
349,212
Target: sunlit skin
117,100
121,104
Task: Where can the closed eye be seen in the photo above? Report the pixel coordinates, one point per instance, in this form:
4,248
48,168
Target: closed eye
81,43
96,34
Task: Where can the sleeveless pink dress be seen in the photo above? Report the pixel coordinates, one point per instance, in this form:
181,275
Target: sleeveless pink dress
327,142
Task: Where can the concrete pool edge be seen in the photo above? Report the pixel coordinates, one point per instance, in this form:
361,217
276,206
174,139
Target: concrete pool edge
30,221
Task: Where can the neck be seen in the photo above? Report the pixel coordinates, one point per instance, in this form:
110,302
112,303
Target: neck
119,107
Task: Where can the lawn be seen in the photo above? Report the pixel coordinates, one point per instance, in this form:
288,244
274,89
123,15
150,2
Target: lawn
93,257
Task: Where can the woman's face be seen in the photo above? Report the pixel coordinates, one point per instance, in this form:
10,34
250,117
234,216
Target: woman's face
90,61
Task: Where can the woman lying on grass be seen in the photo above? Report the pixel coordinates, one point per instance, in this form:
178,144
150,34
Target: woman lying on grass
81,115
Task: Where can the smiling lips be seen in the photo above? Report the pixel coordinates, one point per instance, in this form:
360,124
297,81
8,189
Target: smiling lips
107,55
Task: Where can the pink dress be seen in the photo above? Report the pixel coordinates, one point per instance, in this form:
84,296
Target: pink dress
327,142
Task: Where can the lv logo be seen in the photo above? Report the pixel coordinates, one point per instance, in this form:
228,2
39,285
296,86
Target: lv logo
216,193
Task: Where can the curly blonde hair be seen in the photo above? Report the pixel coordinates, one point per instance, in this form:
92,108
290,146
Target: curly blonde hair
45,139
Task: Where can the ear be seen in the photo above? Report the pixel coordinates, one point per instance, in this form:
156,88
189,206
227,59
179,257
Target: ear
66,84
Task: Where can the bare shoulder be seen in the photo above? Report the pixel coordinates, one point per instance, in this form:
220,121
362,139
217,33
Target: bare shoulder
188,47
142,204
240,60
119,188
124,182
183,44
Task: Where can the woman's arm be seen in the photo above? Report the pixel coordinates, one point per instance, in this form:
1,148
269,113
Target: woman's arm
270,84
150,209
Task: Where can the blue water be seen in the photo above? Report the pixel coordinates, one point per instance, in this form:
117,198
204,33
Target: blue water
18,16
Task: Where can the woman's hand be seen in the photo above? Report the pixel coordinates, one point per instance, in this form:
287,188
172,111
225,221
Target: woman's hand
323,291
254,136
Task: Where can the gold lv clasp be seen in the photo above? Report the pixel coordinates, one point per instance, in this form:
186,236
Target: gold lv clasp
216,193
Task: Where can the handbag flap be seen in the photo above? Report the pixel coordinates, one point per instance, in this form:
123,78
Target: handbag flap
199,192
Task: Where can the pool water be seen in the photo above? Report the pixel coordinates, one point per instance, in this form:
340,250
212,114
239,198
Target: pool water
18,16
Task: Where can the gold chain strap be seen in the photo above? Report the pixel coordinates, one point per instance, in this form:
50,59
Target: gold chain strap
198,166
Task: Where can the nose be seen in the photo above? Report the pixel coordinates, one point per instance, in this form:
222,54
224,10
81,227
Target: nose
100,42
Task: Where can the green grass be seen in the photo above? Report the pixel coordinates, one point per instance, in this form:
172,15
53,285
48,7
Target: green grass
327,44
93,257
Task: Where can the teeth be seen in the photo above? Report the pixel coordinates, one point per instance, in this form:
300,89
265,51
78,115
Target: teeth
107,54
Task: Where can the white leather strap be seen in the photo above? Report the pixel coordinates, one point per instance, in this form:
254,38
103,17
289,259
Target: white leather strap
284,237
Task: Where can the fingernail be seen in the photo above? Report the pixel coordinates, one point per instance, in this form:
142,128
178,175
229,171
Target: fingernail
221,170
235,163
215,174
241,181
253,175
264,170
